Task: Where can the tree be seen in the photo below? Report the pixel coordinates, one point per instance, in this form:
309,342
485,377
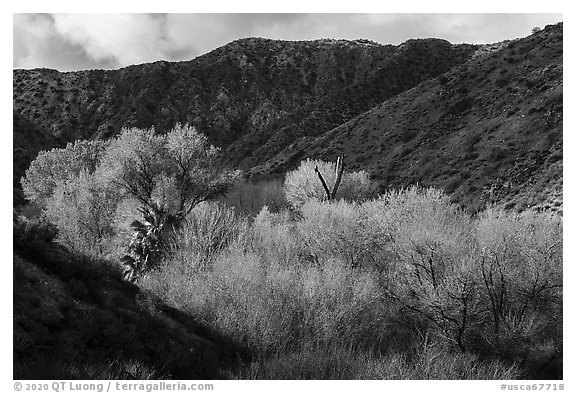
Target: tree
303,184
82,208
61,182
80,187
58,165
521,267
430,267
176,171
168,175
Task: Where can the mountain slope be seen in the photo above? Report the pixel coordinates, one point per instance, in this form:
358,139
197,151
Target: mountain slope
28,139
77,319
482,122
489,131
243,95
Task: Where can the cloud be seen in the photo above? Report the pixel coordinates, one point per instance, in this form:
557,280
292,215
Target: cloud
37,44
124,38
82,41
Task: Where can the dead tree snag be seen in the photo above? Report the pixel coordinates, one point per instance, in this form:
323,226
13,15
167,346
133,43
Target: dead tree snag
331,195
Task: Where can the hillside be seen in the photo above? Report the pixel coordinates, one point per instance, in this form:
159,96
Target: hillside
239,88
488,131
28,139
482,122
247,96
77,319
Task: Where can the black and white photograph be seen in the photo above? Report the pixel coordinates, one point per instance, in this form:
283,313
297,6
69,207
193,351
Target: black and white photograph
287,196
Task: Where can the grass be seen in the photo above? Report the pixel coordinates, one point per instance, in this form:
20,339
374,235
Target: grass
346,363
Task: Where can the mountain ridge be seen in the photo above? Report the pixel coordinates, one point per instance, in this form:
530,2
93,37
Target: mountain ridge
270,103
494,124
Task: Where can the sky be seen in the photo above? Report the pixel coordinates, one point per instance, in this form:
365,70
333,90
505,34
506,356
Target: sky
69,42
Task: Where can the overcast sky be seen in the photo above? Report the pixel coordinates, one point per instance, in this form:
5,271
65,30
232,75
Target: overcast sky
84,41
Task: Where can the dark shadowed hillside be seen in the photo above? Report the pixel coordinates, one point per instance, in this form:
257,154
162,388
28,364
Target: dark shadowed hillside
28,139
488,131
77,319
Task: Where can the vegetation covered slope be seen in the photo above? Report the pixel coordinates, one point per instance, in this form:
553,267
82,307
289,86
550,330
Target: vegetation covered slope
250,94
482,122
488,131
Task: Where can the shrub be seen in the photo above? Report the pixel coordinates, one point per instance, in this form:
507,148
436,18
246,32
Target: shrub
272,307
302,184
337,230
82,209
210,229
428,267
406,286
50,368
334,362
452,184
58,165
276,239
32,232
443,79
521,267
498,153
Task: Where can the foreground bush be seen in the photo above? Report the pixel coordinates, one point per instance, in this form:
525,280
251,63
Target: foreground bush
375,285
210,229
271,307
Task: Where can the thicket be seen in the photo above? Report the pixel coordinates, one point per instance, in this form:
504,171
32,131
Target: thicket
303,184
378,289
403,285
140,184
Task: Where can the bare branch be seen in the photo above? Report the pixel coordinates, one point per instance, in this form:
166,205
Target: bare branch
323,183
339,172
